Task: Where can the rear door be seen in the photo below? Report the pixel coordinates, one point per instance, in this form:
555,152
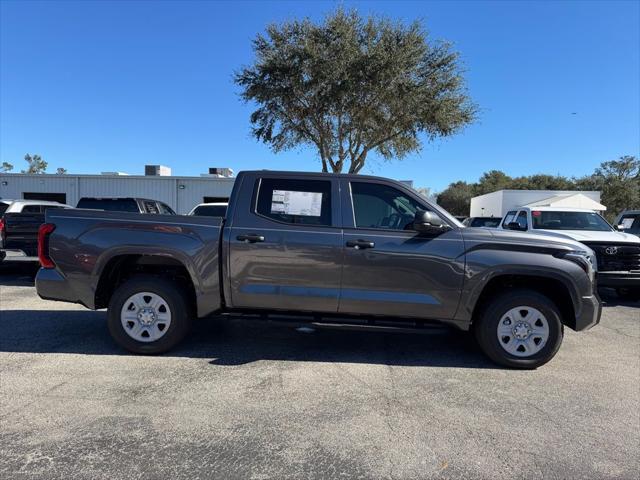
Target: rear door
285,244
388,268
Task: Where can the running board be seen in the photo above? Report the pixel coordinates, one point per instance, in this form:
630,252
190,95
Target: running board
342,323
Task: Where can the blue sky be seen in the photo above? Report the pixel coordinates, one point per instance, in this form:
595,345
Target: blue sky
101,86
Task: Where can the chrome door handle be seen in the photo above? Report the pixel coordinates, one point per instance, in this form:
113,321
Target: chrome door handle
360,244
251,238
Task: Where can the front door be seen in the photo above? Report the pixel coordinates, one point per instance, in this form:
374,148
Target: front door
388,268
285,248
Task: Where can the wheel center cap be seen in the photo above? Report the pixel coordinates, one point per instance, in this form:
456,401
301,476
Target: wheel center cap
521,331
146,316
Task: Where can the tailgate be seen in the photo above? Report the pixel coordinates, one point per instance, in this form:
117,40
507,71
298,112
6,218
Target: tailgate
21,232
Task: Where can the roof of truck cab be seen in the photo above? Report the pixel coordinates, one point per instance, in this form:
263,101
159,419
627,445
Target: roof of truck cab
317,174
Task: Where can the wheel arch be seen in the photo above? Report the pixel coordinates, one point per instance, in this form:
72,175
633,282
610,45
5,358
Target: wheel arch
121,267
554,287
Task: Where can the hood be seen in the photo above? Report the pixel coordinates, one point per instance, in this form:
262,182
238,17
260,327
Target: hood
594,236
524,238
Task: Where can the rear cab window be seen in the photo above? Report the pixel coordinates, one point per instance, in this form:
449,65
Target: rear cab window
296,202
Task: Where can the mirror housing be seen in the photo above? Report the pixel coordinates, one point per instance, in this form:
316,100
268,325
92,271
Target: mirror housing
428,223
516,226
619,228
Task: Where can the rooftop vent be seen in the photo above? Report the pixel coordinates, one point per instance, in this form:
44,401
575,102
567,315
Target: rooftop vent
157,171
220,172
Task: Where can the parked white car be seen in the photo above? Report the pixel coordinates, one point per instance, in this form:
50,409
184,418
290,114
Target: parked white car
19,224
28,206
210,209
617,253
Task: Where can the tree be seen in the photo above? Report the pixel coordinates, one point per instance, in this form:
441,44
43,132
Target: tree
492,181
350,87
619,182
542,181
61,171
6,167
456,198
36,164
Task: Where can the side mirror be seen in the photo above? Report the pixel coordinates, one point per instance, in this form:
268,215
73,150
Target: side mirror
516,226
428,223
619,228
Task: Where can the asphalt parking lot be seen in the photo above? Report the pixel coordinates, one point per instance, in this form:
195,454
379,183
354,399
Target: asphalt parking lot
249,400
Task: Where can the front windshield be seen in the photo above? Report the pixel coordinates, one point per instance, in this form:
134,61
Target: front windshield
550,220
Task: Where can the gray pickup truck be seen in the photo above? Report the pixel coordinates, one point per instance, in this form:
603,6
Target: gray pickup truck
333,249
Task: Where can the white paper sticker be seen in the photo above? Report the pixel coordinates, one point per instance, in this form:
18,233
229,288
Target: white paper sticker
296,203
627,222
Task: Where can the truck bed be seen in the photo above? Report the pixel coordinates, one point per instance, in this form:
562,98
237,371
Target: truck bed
86,242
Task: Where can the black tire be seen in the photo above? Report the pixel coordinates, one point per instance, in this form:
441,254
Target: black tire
486,325
171,293
631,294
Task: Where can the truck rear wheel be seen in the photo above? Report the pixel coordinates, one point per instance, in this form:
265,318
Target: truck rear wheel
520,329
148,315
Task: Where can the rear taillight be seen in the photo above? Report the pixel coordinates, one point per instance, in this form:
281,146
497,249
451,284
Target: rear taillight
2,229
43,245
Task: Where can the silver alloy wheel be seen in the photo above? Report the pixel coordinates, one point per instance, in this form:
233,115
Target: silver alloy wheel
145,316
523,331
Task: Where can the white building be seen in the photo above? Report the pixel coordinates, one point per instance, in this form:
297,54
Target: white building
181,193
496,204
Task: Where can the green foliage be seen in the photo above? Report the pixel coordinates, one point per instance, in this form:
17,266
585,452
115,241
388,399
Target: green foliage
36,164
492,181
456,198
61,171
6,167
618,180
351,86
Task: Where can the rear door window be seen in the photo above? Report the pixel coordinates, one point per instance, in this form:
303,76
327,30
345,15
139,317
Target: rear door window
165,209
299,202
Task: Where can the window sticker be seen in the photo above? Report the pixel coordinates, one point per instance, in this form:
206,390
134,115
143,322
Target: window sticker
289,202
627,222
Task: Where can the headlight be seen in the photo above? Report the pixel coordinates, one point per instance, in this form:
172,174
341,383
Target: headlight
585,259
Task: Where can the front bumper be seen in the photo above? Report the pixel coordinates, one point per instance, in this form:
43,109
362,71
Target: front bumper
618,279
590,313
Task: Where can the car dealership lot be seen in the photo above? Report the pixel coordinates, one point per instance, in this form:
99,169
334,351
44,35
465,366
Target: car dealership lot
241,399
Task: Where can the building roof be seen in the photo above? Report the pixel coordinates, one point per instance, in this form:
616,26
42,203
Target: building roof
576,200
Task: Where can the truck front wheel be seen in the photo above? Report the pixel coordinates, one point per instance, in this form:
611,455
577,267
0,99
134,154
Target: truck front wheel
520,329
148,315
